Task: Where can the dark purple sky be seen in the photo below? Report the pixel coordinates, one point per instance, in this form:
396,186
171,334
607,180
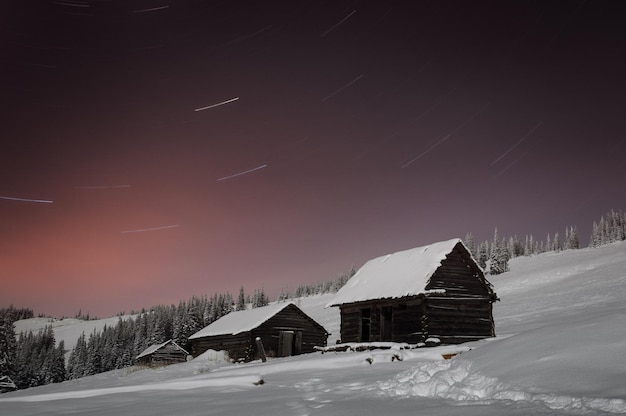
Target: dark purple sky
159,149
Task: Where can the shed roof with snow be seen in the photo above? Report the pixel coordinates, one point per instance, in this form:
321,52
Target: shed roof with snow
242,321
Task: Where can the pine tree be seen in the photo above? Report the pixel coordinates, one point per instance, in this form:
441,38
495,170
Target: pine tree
241,300
573,239
78,359
483,254
498,255
556,243
7,344
94,354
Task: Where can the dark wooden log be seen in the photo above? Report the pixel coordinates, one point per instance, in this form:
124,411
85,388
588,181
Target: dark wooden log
259,346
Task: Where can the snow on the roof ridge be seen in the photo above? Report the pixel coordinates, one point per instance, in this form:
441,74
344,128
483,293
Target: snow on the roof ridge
403,273
241,321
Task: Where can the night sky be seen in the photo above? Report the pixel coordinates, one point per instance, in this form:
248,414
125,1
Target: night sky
153,150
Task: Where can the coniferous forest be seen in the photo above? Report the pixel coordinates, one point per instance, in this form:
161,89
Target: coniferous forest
33,359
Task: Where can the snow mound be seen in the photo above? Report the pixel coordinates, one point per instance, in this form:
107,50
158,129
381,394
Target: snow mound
212,356
456,380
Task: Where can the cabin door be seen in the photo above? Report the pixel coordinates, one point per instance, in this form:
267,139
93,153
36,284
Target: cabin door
285,343
289,343
366,324
385,323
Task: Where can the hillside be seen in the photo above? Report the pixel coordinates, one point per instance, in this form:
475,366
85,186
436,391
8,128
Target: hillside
559,351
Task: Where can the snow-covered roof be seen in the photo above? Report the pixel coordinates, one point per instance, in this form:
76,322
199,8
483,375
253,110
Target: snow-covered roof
156,347
241,321
405,273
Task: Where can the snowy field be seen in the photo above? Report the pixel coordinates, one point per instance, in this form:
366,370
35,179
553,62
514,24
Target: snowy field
560,350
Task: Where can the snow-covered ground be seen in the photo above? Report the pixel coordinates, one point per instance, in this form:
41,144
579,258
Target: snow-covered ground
67,329
560,350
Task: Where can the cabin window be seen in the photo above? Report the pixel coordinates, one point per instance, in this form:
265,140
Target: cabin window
366,324
385,323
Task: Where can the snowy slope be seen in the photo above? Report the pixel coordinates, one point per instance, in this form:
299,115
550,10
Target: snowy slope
67,329
560,350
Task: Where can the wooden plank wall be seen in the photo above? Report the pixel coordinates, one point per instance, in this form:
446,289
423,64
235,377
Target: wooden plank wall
458,320
237,346
350,324
406,320
459,277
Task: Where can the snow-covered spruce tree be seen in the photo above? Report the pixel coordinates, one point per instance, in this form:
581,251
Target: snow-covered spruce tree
141,333
283,295
77,363
178,331
528,245
483,254
515,247
571,239
7,344
498,256
259,299
556,243
574,243
241,300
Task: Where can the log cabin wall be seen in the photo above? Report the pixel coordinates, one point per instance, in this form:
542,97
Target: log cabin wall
464,311
459,276
237,345
406,320
455,321
407,317
350,330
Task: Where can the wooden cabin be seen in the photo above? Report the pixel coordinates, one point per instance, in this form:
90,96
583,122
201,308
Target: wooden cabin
166,353
283,328
435,291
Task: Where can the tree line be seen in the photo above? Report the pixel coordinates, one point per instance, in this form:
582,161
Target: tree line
493,256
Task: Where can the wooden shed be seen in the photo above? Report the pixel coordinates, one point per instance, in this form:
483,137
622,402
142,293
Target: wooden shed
166,353
435,291
283,329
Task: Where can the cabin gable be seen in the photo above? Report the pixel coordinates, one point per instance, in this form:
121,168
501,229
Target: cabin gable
459,275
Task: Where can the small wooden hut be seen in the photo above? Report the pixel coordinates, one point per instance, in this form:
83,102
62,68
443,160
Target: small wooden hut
283,328
166,353
435,291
